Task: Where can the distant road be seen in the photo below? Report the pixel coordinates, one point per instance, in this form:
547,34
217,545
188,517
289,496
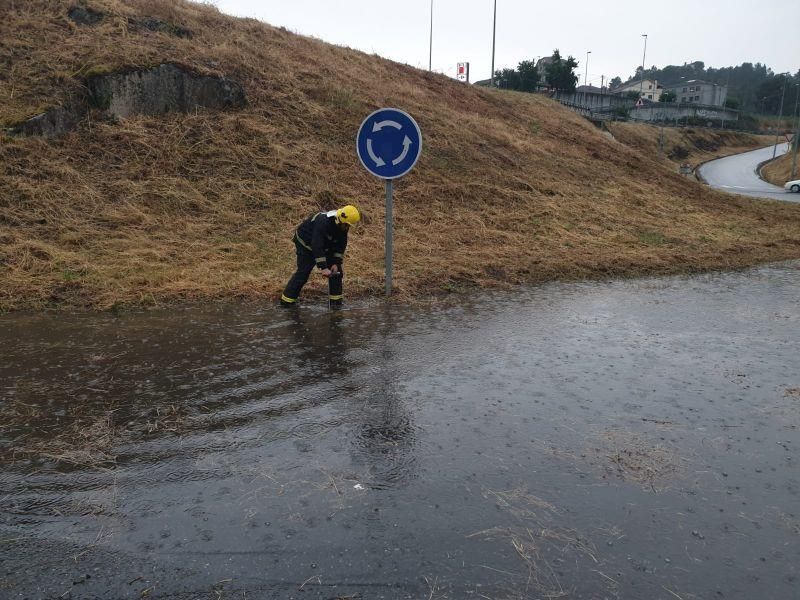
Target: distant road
737,174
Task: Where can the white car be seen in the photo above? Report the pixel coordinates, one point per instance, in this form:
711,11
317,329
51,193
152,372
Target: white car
792,186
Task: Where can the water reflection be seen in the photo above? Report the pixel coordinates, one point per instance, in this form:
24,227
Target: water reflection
385,437
319,343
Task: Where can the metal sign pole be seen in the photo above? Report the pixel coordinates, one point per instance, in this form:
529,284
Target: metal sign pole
389,232
389,144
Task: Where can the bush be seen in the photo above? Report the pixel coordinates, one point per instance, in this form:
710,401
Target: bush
678,153
622,111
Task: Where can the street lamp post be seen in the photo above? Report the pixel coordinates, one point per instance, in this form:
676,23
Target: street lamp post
797,100
494,39
727,87
430,51
586,75
644,57
780,116
796,139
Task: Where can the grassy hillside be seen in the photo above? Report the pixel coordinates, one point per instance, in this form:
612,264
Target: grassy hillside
681,145
511,187
779,171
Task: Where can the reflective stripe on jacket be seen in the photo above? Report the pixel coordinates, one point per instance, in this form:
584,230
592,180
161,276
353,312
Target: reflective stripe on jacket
322,237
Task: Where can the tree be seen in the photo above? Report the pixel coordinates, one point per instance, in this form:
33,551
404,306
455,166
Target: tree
732,103
698,66
743,81
770,92
615,83
632,95
668,96
561,73
528,76
525,78
507,79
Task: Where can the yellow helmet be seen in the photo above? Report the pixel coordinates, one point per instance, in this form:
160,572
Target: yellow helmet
348,214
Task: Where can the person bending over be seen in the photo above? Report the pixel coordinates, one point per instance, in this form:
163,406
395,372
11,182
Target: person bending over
320,242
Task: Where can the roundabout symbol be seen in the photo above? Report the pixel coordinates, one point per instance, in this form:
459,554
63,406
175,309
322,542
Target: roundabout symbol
389,143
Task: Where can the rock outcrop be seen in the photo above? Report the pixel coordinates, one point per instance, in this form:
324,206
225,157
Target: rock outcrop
84,16
87,16
152,24
166,88
53,123
162,89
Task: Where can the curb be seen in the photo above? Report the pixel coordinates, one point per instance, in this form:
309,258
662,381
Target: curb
698,175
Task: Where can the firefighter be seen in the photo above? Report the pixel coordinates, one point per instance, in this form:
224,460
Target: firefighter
320,241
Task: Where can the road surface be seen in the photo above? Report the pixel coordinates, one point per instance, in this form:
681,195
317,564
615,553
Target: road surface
632,439
738,174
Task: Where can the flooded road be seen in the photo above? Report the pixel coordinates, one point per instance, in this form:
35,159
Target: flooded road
632,439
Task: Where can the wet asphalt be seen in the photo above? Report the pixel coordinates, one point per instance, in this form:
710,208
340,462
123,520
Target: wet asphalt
633,439
738,174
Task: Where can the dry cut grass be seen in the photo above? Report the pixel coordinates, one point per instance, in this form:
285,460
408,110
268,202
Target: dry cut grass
511,187
779,171
650,462
686,145
545,543
82,442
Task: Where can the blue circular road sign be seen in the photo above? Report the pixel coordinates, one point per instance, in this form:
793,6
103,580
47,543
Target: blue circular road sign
389,143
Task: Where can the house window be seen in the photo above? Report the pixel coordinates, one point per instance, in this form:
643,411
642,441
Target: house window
650,96
649,86
697,98
684,90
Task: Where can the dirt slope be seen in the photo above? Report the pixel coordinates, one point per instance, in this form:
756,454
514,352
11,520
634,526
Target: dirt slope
511,187
779,171
681,145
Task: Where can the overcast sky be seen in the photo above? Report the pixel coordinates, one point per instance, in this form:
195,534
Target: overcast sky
718,32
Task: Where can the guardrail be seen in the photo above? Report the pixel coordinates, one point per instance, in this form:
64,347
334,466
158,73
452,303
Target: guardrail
605,113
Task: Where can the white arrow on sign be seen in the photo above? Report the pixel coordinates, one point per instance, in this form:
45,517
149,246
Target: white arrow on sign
378,126
379,162
406,145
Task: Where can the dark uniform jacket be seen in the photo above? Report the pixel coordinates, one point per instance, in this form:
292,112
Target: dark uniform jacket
322,237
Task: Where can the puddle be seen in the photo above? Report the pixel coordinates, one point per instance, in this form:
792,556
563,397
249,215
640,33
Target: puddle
590,440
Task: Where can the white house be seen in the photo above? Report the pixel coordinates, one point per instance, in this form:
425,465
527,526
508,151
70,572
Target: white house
647,89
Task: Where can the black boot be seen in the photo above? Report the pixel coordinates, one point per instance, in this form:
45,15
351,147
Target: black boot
335,304
285,302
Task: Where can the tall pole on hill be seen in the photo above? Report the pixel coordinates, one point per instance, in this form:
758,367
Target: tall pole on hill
727,88
780,115
644,57
796,139
797,100
494,39
430,52
586,75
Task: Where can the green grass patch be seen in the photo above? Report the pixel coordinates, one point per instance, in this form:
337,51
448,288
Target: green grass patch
651,238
